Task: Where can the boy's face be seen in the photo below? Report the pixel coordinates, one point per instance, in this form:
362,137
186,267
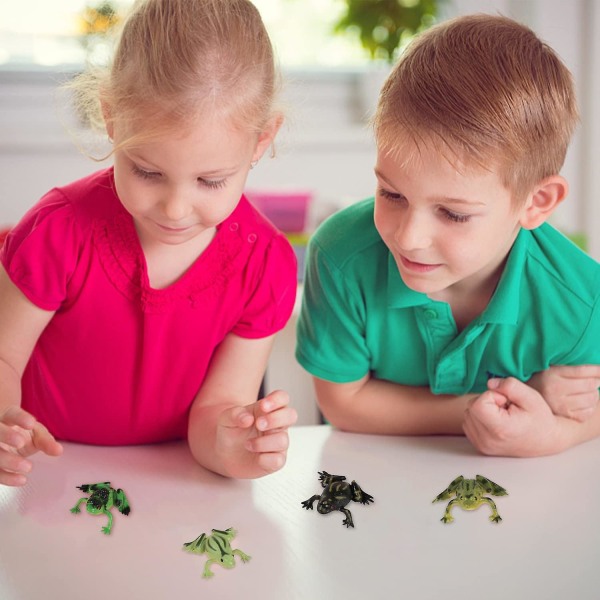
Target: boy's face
448,230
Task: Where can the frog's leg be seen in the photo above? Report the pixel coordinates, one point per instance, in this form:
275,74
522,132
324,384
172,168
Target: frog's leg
325,478
308,504
207,573
198,546
108,527
348,522
449,490
490,487
359,495
245,557
121,502
76,508
448,518
494,517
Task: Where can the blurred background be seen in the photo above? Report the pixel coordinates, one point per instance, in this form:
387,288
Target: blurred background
334,55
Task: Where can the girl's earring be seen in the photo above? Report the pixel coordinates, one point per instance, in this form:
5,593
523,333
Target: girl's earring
253,164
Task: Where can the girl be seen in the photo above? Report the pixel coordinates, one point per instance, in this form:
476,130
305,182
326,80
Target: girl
139,304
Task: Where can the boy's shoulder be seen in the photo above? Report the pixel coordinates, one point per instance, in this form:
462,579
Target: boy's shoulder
349,233
551,253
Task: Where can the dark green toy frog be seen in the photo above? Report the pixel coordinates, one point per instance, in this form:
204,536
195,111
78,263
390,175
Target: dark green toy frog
217,547
336,495
470,495
102,499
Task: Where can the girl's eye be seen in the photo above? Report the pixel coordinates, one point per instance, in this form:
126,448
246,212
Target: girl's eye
213,184
143,173
455,217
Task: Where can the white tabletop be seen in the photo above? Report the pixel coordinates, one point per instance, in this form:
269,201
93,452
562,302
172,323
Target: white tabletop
546,547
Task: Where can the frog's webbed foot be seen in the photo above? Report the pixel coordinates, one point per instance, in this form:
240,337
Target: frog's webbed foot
207,573
326,478
348,522
76,508
308,504
107,529
448,518
245,557
494,517
359,495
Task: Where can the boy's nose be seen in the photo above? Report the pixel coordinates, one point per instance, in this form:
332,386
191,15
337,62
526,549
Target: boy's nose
413,232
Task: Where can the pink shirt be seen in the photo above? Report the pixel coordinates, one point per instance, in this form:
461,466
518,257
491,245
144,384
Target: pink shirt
121,362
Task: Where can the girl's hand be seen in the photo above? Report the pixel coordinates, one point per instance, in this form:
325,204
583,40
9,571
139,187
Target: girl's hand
21,435
253,440
570,391
512,419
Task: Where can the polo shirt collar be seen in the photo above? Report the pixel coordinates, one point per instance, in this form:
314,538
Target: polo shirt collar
504,305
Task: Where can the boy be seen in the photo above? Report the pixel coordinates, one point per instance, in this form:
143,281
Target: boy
446,304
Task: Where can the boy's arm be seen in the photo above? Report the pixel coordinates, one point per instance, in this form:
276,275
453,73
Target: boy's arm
512,419
375,406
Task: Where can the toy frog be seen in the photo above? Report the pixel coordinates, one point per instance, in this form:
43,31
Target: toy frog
337,495
102,499
469,495
218,548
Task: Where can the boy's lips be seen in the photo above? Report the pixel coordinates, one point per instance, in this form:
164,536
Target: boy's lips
417,267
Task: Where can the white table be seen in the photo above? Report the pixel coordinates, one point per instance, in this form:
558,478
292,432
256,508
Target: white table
546,547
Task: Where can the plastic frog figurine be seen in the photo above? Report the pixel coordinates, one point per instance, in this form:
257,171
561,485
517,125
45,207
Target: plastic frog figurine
336,495
102,499
470,495
218,548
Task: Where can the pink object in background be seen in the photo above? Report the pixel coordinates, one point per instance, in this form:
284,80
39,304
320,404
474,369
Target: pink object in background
287,210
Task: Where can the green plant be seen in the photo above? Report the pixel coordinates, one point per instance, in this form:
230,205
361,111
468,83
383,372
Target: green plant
384,25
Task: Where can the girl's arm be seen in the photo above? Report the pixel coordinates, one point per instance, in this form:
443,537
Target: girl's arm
229,432
375,406
21,323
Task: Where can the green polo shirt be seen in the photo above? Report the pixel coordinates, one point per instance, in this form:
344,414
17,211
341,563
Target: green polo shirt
358,317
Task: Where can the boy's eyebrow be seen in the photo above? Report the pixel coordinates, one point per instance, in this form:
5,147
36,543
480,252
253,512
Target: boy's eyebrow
446,199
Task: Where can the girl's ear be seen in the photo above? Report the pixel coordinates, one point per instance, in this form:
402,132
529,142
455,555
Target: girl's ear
542,201
267,136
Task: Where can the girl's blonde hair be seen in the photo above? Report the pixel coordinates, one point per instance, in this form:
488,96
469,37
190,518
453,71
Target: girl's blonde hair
488,93
176,59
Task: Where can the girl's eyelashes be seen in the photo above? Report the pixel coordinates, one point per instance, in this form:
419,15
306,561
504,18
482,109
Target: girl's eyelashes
212,184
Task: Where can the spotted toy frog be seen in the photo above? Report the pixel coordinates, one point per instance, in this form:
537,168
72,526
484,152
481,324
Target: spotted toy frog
101,500
336,495
470,495
217,546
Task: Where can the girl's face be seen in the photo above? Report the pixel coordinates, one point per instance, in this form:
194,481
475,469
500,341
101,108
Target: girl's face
449,231
181,186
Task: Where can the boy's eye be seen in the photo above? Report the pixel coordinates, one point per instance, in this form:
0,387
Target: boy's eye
392,196
454,216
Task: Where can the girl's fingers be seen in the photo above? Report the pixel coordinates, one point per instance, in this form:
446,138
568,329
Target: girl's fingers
280,419
277,441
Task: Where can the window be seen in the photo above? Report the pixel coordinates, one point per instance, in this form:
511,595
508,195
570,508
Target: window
39,33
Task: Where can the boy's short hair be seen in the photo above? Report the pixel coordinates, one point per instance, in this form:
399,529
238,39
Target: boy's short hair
488,93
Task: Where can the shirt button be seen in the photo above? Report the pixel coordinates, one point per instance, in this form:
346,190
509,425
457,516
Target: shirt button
430,314
252,238
234,227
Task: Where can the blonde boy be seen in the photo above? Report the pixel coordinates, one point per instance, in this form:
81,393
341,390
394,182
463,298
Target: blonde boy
447,304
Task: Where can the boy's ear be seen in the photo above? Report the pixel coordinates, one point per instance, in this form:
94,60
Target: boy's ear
267,135
542,201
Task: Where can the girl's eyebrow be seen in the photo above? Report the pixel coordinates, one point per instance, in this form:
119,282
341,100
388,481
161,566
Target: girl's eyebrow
224,172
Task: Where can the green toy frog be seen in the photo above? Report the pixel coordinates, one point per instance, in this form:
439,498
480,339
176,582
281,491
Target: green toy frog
102,499
218,548
470,495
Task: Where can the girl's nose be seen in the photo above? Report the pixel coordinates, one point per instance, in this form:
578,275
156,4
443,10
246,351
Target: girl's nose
175,207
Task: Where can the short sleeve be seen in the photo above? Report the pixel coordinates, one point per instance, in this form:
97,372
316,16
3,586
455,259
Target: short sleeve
331,341
40,252
272,302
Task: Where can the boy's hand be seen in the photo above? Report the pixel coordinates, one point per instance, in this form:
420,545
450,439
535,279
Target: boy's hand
512,419
253,439
21,435
570,391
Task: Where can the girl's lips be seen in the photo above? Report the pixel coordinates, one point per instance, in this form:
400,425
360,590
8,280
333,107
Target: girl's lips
416,267
173,229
